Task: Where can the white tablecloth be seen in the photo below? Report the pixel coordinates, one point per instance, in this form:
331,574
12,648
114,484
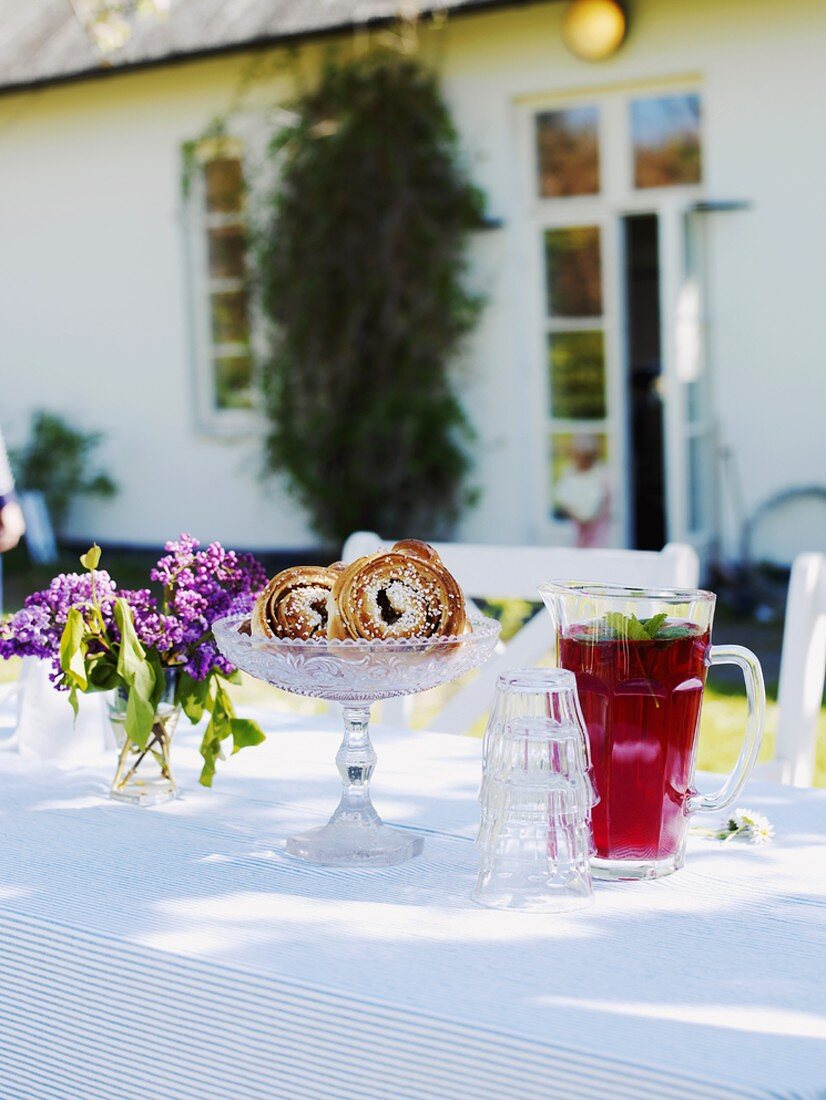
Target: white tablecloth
179,954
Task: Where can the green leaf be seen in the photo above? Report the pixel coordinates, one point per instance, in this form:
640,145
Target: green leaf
102,675
192,695
131,654
154,660
219,728
72,656
91,559
140,708
73,703
245,732
224,724
627,626
653,624
139,676
677,630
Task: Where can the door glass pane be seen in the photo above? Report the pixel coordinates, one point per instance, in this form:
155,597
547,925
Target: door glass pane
666,136
577,368
580,481
227,250
573,272
568,152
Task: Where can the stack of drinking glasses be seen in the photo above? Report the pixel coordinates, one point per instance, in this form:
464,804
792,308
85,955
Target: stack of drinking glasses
537,793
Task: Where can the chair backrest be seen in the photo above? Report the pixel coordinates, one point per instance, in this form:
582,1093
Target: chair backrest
516,572
802,673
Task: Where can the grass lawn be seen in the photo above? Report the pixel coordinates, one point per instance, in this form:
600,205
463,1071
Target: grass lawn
724,707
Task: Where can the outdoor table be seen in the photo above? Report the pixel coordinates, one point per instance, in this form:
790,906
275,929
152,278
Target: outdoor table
178,953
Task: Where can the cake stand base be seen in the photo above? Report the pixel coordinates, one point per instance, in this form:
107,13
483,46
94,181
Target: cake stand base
355,844
355,836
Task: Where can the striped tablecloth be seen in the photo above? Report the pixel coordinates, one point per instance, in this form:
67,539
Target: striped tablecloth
179,954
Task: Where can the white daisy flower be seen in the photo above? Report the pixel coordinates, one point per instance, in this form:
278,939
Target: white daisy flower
747,825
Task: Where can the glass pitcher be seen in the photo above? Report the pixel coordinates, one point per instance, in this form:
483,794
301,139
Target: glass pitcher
640,657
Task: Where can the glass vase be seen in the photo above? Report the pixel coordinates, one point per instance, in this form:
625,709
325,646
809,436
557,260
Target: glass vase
144,776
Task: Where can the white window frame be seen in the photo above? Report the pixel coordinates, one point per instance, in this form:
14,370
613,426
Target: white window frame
617,198
209,418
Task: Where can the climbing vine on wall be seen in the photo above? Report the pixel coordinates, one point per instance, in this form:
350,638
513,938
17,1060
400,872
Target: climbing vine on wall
360,260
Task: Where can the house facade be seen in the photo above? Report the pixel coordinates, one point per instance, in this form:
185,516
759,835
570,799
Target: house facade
653,268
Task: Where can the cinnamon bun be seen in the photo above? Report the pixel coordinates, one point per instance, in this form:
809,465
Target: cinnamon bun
294,603
404,592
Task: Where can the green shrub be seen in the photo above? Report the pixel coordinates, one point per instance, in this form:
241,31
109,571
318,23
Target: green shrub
56,461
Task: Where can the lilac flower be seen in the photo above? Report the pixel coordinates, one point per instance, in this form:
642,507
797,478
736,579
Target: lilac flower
35,630
29,633
199,586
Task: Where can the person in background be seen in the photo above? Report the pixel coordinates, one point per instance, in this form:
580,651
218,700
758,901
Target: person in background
12,524
583,492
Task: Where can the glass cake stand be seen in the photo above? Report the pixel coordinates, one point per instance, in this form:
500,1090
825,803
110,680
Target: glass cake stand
356,674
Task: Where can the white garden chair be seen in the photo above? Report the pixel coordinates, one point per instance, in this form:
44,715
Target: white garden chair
515,572
802,674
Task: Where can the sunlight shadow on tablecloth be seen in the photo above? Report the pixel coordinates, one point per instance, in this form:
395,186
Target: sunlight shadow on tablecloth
757,1019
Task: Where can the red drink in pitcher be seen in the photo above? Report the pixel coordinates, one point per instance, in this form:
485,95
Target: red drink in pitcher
641,702
640,657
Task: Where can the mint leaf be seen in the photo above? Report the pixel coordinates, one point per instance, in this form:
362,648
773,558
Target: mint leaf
652,625
627,626
677,630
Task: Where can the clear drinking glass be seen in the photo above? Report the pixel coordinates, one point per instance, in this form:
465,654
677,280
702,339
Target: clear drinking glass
536,797
640,658
535,847
546,693
536,747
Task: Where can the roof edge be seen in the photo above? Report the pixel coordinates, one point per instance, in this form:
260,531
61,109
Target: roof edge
262,42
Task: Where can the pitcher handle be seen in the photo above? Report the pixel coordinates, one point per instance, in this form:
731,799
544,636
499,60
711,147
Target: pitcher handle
756,700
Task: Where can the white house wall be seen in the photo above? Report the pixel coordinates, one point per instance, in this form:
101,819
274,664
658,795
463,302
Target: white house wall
94,310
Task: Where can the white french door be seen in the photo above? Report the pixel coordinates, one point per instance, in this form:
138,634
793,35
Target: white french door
594,162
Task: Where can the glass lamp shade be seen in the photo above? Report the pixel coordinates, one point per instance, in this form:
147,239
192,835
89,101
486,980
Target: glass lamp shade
594,30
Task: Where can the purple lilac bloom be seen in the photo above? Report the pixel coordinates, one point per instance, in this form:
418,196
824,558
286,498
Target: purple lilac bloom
199,586
35,630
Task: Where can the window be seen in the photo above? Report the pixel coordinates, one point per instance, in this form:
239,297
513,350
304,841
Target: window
568,152
224,359
665,133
